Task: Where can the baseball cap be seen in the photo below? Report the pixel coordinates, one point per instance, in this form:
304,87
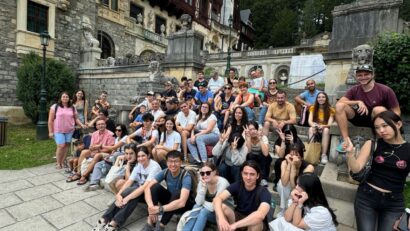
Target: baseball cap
173,101
168,83
150,93
365,67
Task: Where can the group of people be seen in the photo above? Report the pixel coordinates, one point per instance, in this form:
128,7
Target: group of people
212,124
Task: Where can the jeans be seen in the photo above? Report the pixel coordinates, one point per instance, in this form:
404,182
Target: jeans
278,170
100,170
373,207
250,113
262,114
198,219
199,146
163,196
120,215
231,173
263,161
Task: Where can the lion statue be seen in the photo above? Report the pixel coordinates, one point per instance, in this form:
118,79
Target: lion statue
362,54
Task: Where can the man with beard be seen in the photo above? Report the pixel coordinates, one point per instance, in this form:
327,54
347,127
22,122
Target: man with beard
305,100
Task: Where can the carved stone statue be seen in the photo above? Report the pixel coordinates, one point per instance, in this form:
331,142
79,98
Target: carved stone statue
155,72
186,21
162,28
90,41
140,19
111,61
150,20
362,54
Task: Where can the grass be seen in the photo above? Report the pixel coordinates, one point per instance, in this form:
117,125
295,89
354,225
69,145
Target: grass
23,150
407,194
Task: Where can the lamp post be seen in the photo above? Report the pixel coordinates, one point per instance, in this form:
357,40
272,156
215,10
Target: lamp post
228,59
42,125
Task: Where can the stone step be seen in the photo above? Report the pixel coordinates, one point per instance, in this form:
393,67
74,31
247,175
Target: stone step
335,188
344,213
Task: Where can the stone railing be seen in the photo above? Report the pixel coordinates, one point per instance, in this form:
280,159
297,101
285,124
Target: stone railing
255,53
139,30
131,60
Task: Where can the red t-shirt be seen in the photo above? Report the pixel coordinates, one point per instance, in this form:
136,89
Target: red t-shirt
380,95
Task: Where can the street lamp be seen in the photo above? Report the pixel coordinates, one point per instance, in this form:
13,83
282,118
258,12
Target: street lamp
42,128
228,59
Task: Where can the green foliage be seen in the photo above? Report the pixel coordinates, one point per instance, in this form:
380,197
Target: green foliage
58,78
391,60
404,12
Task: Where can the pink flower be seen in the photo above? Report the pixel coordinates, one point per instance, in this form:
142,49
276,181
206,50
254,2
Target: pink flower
379,159
402,164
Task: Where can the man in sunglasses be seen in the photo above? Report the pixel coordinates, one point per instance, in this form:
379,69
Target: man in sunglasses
362,102
270,97
174,199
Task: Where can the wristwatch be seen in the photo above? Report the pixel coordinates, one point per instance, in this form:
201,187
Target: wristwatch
161,210
300,206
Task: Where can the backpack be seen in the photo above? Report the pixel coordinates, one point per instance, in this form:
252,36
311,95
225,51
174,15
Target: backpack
56,108
269,216
194,181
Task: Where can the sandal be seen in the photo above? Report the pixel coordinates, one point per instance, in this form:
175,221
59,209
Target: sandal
73,178
82,181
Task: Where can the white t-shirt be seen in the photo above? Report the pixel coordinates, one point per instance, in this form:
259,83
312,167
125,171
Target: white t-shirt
172,139
141,174
257,82
146,135
157,114
203,125
214,85
155,134
319,219
123,140
184,121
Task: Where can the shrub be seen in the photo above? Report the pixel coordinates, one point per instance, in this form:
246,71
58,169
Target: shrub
58,78
391,60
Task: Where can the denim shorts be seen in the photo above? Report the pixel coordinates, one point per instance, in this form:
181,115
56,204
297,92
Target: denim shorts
62,138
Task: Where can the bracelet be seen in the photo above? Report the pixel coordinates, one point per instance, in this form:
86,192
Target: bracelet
300,206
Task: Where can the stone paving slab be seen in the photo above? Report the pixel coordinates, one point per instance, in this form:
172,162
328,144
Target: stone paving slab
70,214
9,199
33,224
48,178
73,195
13,175
33,208
5,218
95,201
78,226
38,191
12,186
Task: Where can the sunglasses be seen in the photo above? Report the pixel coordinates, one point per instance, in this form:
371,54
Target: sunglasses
272,82
118,130
208,173
228,88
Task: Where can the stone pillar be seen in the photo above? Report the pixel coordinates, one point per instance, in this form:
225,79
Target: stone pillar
89,57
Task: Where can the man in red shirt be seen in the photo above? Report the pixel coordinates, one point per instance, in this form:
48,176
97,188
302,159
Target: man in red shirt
363,101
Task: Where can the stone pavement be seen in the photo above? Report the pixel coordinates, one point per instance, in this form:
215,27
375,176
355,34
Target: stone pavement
40,199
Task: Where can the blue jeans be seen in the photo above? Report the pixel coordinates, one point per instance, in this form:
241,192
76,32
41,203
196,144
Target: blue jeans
373,207
262,114
100,170
198,219
198,149
250,113
231,173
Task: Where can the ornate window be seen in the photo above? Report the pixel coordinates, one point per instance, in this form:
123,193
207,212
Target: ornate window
106,44
112,4
135,11
159,21
37,17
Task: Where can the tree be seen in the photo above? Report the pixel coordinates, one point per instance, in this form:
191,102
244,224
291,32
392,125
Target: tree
58,78
391,60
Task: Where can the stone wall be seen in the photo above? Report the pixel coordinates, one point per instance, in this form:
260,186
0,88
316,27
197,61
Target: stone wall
124,43
8,57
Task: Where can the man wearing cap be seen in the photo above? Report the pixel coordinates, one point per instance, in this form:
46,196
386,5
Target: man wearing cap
216,83
172,107
168,93
203,95
364,101
147,103
200,79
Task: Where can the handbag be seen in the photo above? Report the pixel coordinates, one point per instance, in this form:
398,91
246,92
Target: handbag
115,173
312,154
362,175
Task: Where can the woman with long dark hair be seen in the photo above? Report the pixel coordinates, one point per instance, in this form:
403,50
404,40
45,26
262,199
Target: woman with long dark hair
61,125
321,117
308,208
379,199
238,122
170,141
205,132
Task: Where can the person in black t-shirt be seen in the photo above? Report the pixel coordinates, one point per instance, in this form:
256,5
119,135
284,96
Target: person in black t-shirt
251,199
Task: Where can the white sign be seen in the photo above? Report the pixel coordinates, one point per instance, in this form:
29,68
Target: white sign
304,66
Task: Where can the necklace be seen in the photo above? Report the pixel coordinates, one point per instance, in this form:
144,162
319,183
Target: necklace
401,164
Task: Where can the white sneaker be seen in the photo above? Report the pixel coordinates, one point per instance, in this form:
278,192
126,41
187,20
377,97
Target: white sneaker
264,183
324,159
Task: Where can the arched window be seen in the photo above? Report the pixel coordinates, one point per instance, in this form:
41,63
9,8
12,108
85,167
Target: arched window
106,45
